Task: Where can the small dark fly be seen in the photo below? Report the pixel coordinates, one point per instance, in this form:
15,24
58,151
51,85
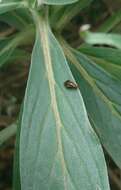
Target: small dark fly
70,84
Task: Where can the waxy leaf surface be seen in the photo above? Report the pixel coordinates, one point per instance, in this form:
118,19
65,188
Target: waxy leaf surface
58,148
102,95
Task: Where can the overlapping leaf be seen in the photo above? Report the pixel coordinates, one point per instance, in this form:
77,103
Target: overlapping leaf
58,148
64,15
113,40
108,58
6,6
108,54
102,94
19,19
111,22
8,45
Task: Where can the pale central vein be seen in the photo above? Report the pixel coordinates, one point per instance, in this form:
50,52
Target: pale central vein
43,29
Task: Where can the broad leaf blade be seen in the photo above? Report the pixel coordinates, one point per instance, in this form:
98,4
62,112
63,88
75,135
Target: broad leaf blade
58,148
102,95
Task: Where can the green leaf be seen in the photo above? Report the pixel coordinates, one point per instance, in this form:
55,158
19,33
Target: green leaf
56,2
6,6
58,148
66,13
16,165
111,22
102,95
7,133
109,54
18,19
113,69
19,54
108,58
32,2
113,40
8,45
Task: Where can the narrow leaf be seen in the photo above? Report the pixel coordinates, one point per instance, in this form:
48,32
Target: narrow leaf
113,40
66,13
6,6
16,165
111,22
8,45
7,133
108,58
109,54
56,2
18,18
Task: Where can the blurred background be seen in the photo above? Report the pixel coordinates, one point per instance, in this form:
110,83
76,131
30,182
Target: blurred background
13,80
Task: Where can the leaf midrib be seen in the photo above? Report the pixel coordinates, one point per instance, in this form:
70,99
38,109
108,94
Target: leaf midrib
89,79
43,32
